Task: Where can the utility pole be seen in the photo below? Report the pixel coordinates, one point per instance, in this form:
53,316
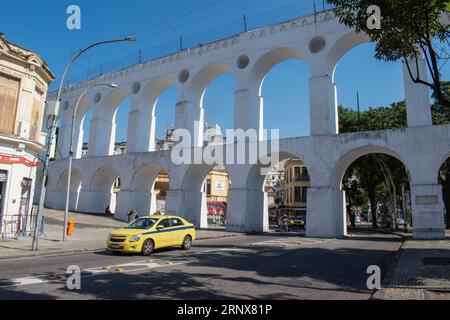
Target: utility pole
52,113
245,24
359,110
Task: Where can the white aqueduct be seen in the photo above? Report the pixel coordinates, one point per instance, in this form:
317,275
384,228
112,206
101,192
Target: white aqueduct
321,41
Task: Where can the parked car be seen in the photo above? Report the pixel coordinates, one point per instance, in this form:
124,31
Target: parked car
298,222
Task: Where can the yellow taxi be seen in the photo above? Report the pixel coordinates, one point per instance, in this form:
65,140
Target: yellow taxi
146,234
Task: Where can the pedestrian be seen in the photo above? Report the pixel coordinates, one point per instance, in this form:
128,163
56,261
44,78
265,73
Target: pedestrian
132,216
353,218
286,223
108,211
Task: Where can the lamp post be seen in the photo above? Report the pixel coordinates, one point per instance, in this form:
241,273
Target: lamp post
52,136
72,130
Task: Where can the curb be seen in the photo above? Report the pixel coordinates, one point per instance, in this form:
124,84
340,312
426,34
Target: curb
401,235
32,254
392,265
54,221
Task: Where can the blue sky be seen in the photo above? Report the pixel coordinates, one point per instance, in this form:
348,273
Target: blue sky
41,26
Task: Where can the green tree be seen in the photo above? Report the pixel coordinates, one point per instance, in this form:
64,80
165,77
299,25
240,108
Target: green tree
408,28
380,176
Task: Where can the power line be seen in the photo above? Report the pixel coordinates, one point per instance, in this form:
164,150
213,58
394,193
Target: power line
230,29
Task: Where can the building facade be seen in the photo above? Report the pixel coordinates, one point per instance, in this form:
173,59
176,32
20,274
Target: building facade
24,81
297,183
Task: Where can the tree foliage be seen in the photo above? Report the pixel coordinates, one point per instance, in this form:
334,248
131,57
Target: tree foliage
409,30
377,179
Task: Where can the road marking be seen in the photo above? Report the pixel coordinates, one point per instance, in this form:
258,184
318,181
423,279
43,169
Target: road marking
289,242
161,263
21,282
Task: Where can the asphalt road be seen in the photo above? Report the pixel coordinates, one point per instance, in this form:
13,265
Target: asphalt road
243,267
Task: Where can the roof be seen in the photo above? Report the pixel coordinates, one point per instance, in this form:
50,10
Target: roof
25,55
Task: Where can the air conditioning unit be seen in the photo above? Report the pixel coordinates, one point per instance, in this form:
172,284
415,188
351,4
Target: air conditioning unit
24,129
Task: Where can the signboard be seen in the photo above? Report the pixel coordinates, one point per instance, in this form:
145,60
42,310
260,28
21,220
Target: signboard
220,186
3,175
18,160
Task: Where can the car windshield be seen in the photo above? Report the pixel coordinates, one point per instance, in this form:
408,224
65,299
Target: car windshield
142,223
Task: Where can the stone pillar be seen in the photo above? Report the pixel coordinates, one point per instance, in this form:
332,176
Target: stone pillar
174,202
325,217
124,203
323,105
428,212
417,95
64,139
190,116
235,219
247,211
249,111
101,138
194,208
78,137
143,202
94,201
190,205
55,199
141,131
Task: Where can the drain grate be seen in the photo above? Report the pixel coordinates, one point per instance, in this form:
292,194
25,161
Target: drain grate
436,261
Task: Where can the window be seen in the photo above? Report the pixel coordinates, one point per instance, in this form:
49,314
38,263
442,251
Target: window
208,187
297,171
298,194
165,223
9,92
176,222
305,172
143,223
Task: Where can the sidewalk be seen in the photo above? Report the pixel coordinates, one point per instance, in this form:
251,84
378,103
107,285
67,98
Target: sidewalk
422,272
90,234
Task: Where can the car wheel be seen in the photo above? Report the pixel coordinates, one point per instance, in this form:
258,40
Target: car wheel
187,243
147,247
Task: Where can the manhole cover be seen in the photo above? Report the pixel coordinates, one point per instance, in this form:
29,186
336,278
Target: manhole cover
436,261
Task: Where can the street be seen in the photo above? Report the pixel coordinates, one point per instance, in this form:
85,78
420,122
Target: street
269,266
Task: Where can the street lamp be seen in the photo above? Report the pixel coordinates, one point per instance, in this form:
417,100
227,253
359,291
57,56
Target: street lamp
69,174
52,136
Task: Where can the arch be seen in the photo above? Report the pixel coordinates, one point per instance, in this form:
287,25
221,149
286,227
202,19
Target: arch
203,78
342,46
110,103
103,179
143,197
443,158
255,178
269,60
145,177
151,93
256,209
351,156
195,177
76,181
195,202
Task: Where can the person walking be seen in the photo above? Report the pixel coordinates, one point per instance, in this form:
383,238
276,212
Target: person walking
132,216
286,223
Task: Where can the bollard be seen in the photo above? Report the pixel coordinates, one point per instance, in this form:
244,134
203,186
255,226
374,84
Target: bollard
70,226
